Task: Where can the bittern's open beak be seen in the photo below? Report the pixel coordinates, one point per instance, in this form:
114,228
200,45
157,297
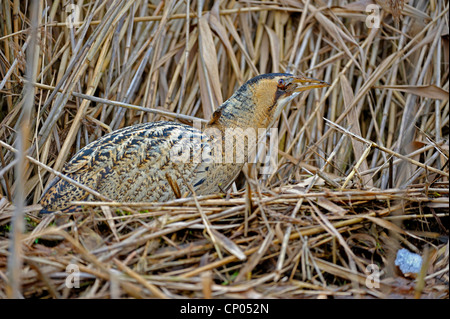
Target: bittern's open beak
304,83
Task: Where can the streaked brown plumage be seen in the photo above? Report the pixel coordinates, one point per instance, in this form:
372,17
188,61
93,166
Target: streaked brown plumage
147,162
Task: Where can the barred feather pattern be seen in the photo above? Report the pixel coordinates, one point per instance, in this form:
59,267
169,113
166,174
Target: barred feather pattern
139,163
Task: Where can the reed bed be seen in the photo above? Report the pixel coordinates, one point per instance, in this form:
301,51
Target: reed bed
362,166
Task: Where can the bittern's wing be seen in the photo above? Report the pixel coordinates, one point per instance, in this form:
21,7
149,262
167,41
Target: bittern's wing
137,163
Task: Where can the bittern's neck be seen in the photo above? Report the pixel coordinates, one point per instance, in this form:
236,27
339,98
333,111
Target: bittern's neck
241,111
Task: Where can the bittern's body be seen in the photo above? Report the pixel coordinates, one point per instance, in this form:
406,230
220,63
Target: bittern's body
160,161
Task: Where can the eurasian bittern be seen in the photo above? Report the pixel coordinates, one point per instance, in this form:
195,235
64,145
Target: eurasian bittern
142,162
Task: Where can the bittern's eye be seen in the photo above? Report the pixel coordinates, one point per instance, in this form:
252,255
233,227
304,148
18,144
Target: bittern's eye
282,84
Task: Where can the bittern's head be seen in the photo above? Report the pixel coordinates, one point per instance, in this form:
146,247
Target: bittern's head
261,99
271,92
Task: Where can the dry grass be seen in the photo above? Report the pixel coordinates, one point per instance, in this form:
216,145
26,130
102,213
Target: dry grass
362,170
